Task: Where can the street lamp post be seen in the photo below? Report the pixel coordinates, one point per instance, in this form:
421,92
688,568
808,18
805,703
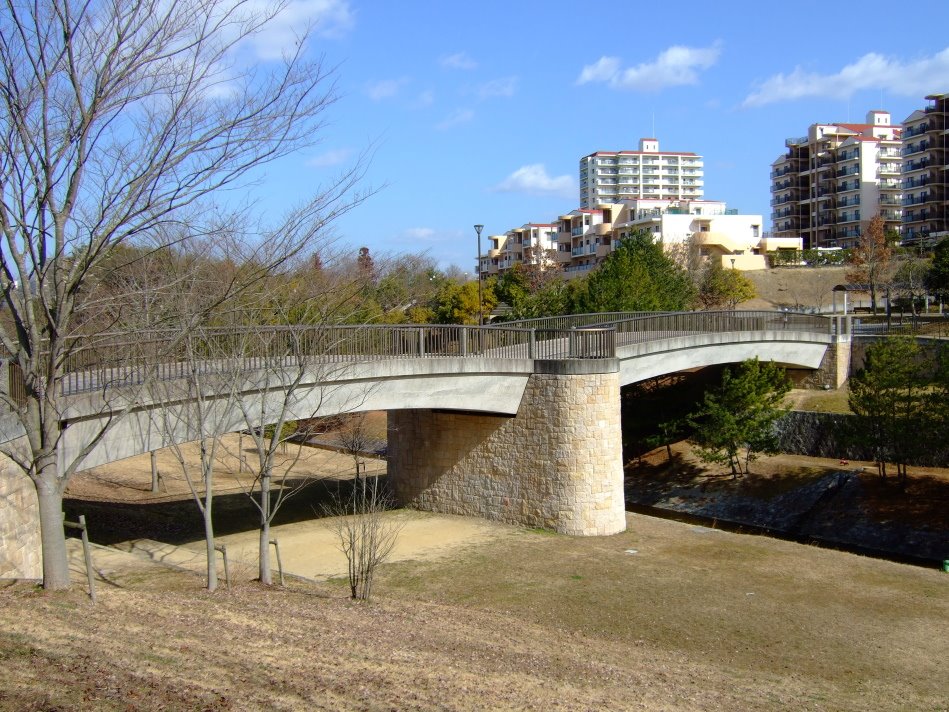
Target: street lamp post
478,229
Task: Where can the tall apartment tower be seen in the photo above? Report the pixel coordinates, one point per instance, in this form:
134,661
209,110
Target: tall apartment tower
830,183
612,176
926,172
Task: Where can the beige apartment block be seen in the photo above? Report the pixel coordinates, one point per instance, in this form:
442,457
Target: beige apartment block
926,173
830,183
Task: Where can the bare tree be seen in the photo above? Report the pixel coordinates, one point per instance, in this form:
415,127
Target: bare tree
117,119
197,406
870,259
364,534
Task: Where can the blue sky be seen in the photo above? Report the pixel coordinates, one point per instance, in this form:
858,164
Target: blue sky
478,112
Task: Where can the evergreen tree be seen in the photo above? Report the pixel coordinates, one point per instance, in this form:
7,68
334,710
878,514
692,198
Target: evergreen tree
740,414
637,276
891,398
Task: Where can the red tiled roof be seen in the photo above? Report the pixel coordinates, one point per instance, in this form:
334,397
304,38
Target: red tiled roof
640,153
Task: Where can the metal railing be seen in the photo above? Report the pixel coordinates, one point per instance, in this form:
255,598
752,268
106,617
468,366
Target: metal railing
115,360
641,329
907,324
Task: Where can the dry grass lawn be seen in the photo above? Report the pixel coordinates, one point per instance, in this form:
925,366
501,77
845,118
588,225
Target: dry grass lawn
695,619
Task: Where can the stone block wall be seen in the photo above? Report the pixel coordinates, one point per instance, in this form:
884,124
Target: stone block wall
834,368
20,552
557,464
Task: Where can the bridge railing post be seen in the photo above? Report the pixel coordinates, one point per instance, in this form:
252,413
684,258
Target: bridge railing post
421,341
572,342
464,341
532,343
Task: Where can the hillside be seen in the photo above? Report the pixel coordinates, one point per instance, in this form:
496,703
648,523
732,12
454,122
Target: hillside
796,287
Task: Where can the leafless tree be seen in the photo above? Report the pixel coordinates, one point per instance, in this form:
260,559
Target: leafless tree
198,406
870,259
120,120
364,533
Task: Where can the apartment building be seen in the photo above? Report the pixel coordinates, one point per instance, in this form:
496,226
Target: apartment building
588,235
831,182
926,173
530,244
612,176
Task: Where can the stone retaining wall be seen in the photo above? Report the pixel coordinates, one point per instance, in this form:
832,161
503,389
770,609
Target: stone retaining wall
826,435
557,464
20,552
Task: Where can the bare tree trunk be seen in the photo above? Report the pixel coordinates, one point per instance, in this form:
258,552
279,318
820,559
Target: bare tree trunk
265,572
52,534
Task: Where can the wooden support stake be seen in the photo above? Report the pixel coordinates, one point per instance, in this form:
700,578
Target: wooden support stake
227,573
86,551
276,546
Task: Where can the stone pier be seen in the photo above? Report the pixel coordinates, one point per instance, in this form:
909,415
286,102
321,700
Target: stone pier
557,464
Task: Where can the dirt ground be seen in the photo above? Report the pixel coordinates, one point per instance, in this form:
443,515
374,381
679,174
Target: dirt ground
129,480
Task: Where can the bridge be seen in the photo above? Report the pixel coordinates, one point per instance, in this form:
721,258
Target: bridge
517,423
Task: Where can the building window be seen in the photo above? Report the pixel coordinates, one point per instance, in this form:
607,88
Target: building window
755,229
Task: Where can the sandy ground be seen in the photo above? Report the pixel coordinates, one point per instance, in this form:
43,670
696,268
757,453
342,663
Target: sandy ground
310,550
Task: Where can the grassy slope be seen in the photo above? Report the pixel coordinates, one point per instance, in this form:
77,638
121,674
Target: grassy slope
697,619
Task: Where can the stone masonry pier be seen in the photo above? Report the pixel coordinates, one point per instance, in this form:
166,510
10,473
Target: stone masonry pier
556,464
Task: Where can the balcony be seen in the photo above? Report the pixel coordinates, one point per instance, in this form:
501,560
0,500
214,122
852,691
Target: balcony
917,199
909,150
916,130
909,166
888,169
852,171
915,182
791,142
890,185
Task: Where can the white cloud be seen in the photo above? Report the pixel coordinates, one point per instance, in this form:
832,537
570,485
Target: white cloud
871,71
604,70
385,89
420,233
674,66
424,99
458,116
330,158
327,18
505,86
459,60
533,179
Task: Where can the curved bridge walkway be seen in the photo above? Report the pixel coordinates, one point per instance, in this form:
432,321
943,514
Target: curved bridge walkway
518,422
